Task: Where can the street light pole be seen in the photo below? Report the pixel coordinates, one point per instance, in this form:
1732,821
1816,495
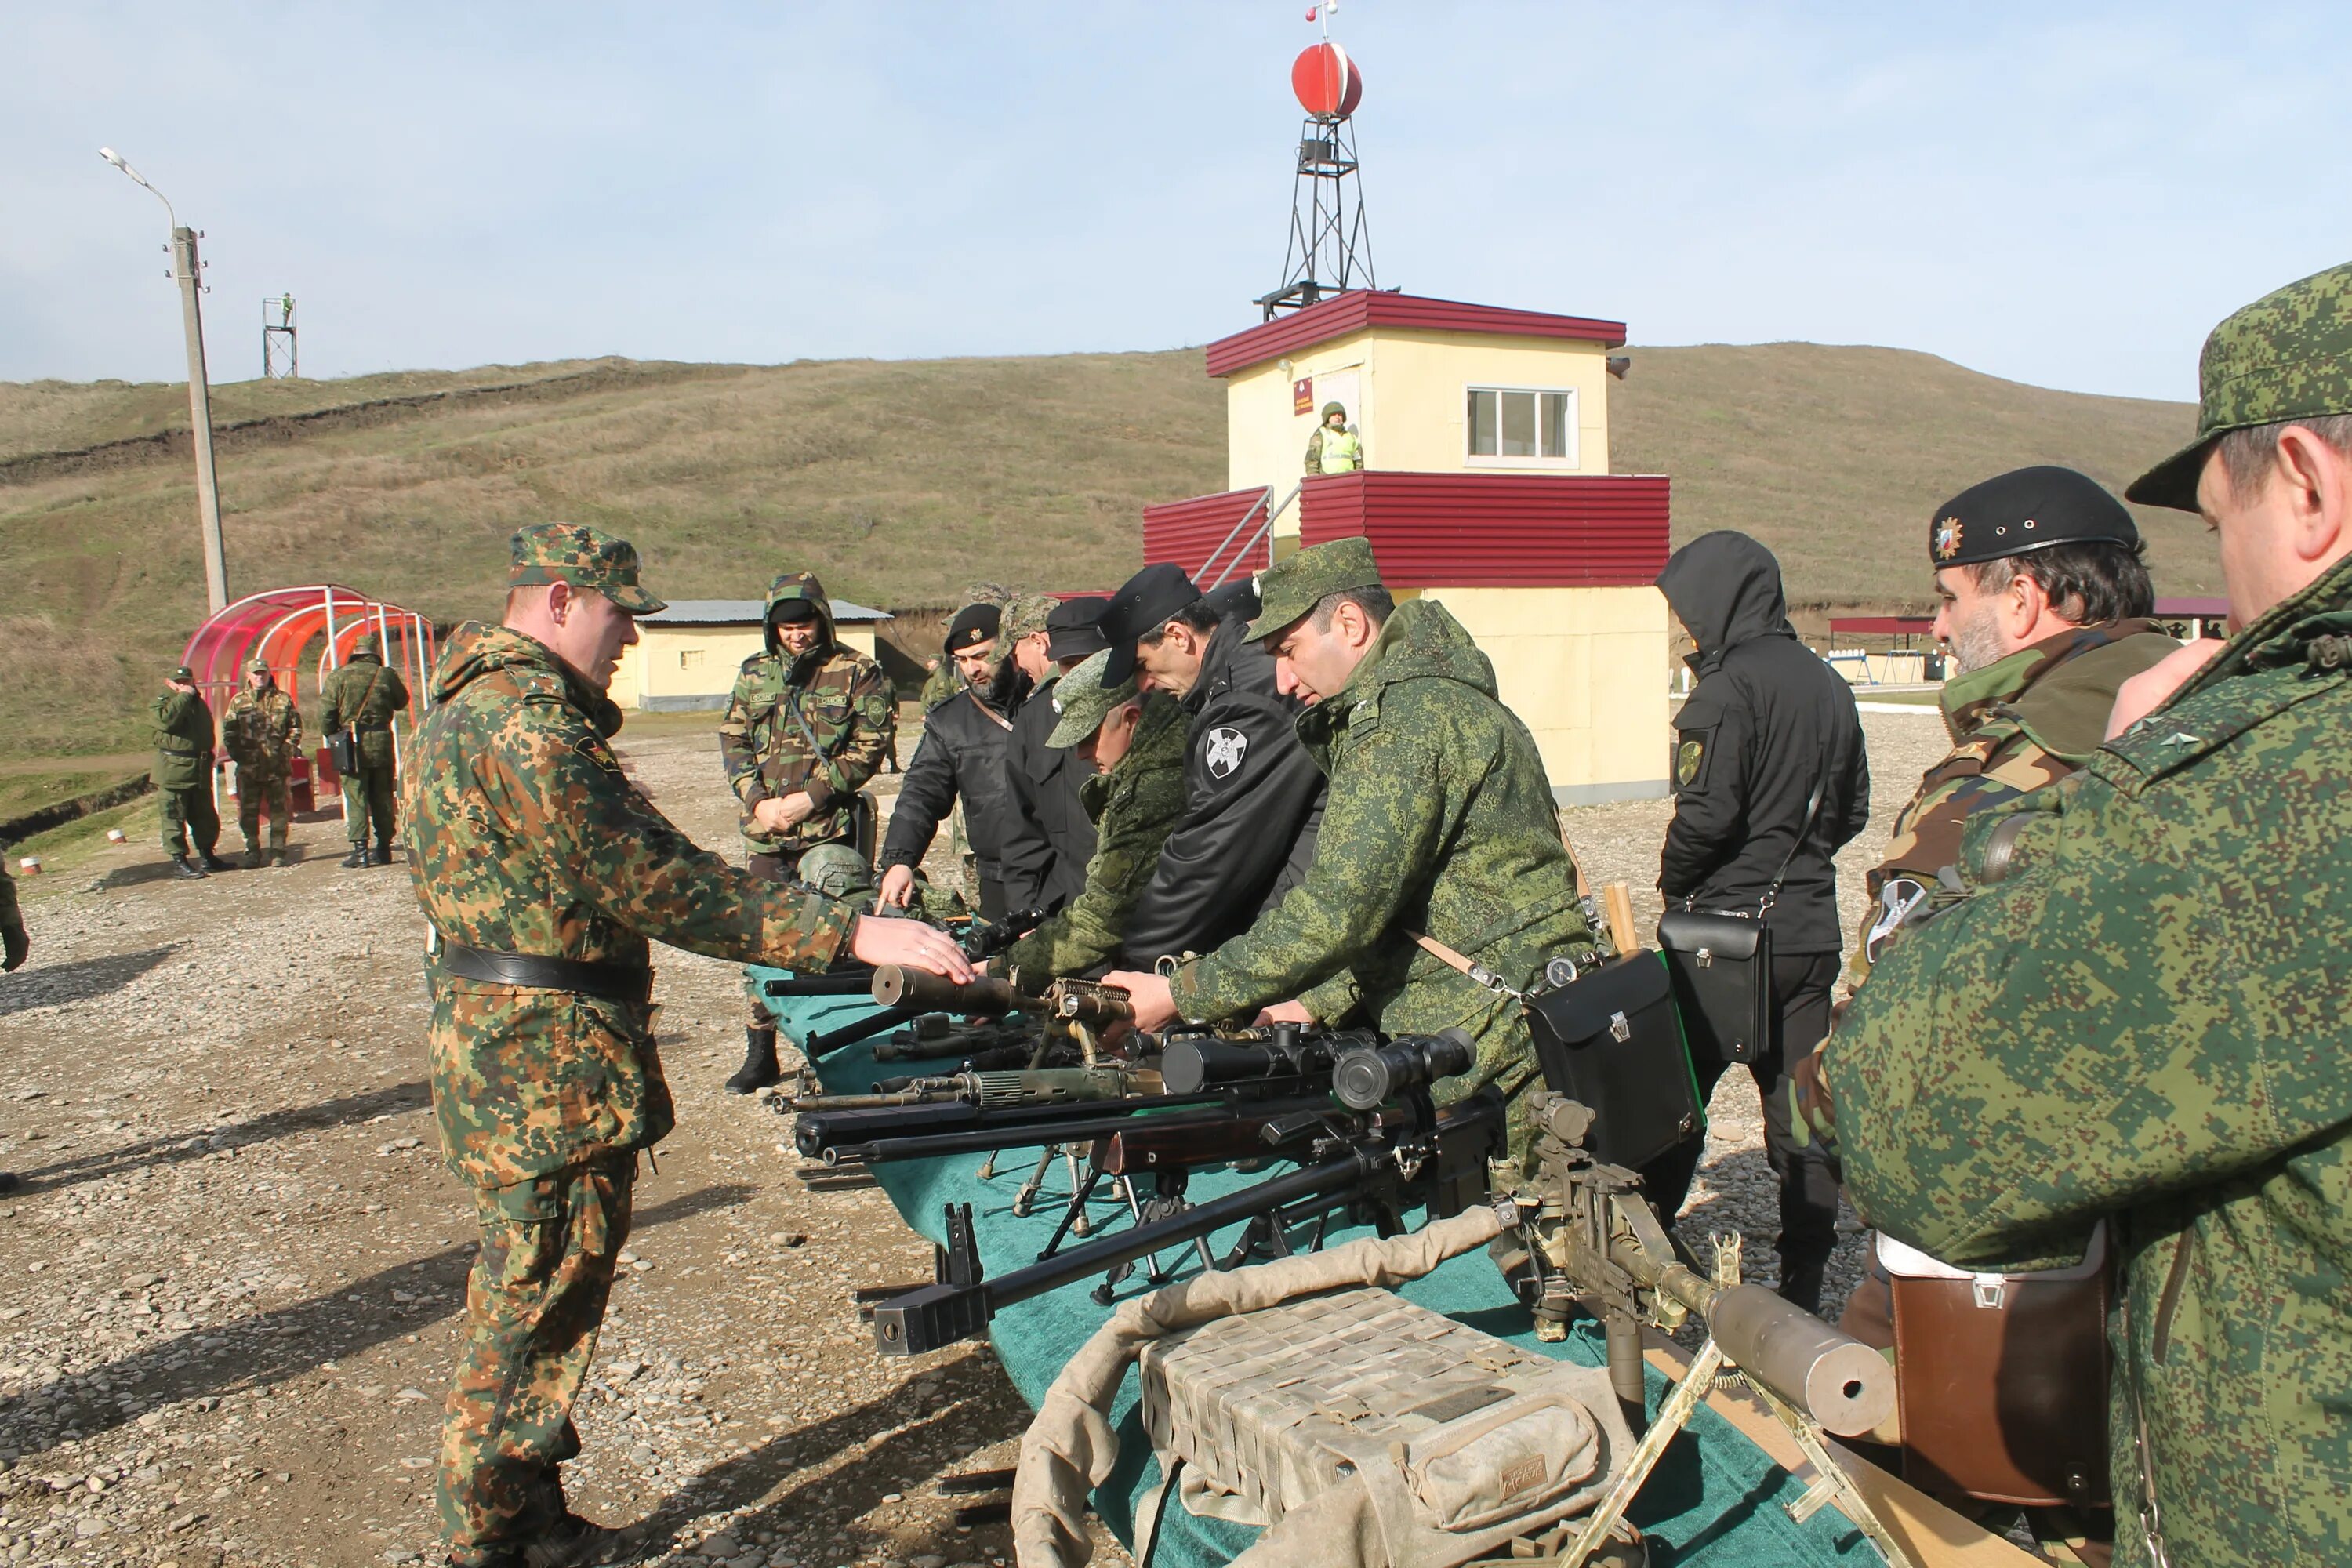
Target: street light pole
187,271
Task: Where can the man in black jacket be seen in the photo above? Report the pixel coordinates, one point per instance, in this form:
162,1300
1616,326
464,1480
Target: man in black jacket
1052,837
961,757
1770,778
1253,796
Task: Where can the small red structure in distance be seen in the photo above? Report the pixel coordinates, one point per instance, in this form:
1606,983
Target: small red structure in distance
1327,84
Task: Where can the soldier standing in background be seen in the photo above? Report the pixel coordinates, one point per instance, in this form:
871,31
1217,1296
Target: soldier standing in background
363,697
544,873
1052,837
1440,825
1134,793
1334,448
1770,778
263,732
15,947
183,775
806,727
2136,1015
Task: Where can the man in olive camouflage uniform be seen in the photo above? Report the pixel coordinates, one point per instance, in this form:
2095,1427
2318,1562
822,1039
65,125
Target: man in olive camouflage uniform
183,775
364,695
544,872
2137,1013
1439,820
807,725
263,732
1136,796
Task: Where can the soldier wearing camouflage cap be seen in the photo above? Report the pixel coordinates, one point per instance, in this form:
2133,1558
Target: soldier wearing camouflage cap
2138,1016
1131,748
806,726
183,775
1439,824
263,732
364,697
544,874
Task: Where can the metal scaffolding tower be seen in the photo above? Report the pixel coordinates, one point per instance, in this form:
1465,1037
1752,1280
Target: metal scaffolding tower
280,359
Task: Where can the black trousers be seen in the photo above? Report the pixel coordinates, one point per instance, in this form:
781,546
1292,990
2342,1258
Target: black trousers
1809,1188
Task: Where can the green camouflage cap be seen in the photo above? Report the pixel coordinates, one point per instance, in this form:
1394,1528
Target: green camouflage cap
256,665
1083,701
583,556
2287,356
1024,616
180,672
1294,586
366,643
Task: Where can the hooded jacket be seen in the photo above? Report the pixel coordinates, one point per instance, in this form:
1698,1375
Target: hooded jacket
819,721
525,837
2143,1022
1440,820
1767,721
1253,798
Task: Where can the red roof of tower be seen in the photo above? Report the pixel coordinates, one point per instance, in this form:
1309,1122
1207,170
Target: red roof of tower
1362,308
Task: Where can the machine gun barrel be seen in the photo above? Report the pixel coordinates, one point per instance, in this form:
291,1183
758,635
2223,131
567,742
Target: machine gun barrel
1081,1123
1010,1089
1837,1380
939,1314
850,982
919,991
818,1131
1096,1006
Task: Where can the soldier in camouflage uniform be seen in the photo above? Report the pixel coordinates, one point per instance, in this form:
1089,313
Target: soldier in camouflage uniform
1136,796
544,873
1439,822
263,732
183,775
364,695
807,725
2136,1014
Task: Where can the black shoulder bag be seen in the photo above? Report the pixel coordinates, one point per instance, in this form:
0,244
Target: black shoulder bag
1721,961
343,742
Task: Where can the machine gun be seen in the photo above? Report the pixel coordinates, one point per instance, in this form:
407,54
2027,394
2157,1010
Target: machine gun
936,1035
1586,1235
998,1090
1374,1167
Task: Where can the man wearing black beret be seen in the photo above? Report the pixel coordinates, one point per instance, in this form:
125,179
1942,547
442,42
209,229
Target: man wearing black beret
961,757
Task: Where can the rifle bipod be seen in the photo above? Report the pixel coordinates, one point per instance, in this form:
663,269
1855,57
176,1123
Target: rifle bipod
1025,1199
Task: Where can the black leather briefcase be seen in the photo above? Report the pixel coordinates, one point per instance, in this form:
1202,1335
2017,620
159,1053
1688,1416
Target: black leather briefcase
1722,969
1610,1039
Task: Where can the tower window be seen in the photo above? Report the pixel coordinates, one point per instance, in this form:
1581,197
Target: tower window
1522,422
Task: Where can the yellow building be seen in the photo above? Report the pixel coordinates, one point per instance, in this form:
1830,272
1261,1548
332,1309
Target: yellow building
1483,483
685,656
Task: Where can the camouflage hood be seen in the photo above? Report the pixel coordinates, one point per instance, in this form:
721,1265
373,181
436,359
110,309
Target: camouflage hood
1422,641
791,587
1726,589
475,651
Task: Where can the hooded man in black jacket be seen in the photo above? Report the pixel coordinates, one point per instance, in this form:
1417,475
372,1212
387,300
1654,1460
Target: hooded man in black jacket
1770,779
1252,795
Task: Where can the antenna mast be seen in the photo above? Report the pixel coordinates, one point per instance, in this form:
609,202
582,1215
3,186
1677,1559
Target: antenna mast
1329,250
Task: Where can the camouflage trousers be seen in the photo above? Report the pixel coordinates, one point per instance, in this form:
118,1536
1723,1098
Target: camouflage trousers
191,822
368,794
534,1305
255,791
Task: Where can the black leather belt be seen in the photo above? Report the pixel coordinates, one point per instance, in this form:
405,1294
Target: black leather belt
373,729
618,982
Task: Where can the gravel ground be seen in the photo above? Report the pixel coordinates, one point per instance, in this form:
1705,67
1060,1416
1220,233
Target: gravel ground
230,1289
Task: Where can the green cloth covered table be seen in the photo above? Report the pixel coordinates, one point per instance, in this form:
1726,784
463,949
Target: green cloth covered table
1716,1498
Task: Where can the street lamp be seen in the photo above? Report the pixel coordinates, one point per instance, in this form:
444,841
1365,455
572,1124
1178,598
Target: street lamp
185,268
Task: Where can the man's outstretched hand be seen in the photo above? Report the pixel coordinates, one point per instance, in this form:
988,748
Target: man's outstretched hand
877,940
1148,994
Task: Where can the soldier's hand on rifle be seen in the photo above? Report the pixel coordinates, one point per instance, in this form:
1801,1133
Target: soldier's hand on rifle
1284,1012
897,886
910,943
1155,1009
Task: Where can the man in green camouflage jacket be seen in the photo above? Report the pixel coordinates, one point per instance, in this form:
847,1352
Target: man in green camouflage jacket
1135,797
544,873
183,775
808,723
2139,1014
263,732
2043,597
1439,820
364,695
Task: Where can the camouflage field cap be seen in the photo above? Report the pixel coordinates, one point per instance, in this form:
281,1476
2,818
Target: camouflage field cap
2288,355
1082,700
366,643
583,556
180,672
1024,616
1294,586
256,665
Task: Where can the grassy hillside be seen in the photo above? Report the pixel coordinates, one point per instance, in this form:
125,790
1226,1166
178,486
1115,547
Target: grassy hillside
898,481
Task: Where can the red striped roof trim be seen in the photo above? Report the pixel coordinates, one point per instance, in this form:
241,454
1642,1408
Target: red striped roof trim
1362,308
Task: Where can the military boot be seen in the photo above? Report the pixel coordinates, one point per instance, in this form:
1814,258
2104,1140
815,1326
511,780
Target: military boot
759,1069
254,858
183,866
358,857
215,863
572,1542
380,856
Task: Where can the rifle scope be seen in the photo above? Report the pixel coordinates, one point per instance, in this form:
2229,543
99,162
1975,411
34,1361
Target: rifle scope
1194,1062
1368,1076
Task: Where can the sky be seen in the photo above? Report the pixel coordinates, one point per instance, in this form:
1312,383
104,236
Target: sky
2067,196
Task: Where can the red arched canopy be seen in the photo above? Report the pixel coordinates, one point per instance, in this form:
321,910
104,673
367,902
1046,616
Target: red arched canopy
278,624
